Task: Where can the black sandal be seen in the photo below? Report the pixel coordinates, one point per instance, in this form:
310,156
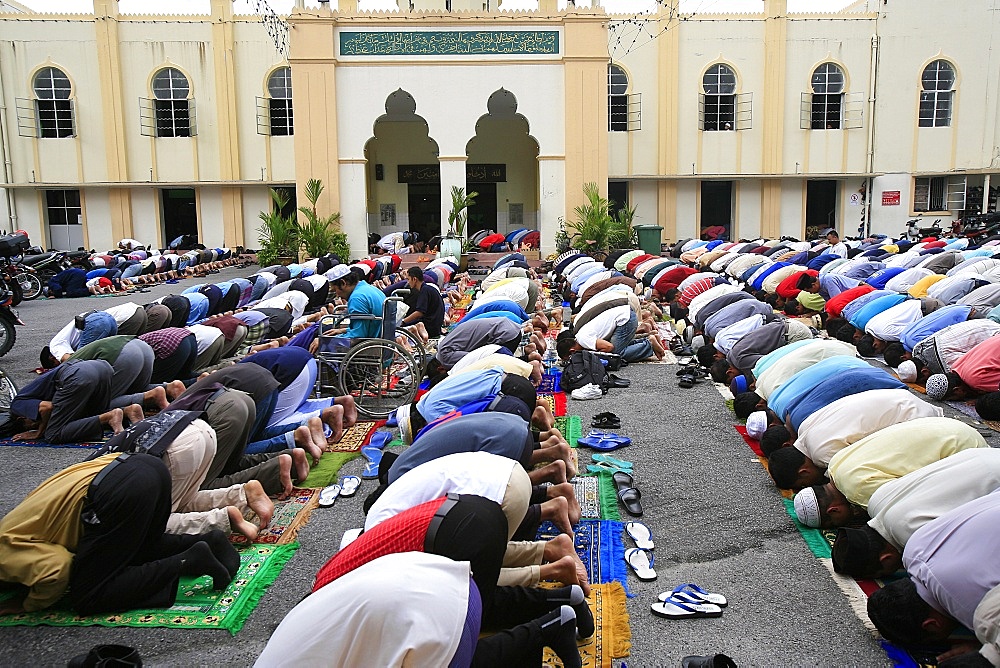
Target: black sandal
606,420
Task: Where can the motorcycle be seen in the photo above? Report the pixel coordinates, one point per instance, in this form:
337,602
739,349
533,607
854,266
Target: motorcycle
915,233
8,320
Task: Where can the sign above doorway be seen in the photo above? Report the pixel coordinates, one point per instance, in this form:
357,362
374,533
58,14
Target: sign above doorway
449,42
432,173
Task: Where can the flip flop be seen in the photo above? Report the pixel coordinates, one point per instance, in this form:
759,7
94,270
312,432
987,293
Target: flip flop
674,609
329,496
374,457
627,493
641,534
694,594
608,459
602,467
641,562
606,420
349,485
604,441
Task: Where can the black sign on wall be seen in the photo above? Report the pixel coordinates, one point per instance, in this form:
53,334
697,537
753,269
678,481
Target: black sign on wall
432,173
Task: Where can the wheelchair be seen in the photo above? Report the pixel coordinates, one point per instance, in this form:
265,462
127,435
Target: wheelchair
380,373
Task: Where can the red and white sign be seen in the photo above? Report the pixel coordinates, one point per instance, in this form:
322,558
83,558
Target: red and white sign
890,198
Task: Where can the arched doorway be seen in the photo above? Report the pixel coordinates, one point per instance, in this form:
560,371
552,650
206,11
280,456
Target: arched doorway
404,181
502,168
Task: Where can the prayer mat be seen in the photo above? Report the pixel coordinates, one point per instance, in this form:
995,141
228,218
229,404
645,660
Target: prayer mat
325,472
356,437
550,383
571,427
613,637
752,442
557,402
46,444
597,496
197,605
289,516
600,546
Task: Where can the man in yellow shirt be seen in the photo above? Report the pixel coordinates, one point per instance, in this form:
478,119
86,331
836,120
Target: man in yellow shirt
97,528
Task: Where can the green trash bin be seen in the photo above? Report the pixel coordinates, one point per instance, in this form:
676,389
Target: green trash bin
649,238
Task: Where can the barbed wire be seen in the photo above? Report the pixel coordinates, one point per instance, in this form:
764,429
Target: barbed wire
276,28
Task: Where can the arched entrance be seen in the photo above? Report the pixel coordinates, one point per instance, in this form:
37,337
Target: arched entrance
503,168
403,177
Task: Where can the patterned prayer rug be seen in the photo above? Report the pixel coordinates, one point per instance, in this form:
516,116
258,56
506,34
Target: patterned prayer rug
613,638
596,495
356,437
289,516
599,544
197,605
46,444
550,383
325,472
557,402
571,427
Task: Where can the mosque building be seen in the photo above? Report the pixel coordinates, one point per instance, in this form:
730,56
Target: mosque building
767,124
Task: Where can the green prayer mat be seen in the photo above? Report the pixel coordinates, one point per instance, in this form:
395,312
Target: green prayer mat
571,427
197,605
597,496
325,472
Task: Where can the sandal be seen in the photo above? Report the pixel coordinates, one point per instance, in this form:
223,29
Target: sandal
677,609
641,562
694,594
612,461
329,496
606,421
349,484
605,441
627,493
641,534
602,467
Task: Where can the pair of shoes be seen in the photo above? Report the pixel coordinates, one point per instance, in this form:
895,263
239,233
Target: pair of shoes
604,441
588,391
608,460
627,493
688,601
708,661
107,655
606,420
688,377
616,381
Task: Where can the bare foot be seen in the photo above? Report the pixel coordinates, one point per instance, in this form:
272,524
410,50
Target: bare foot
304,440
334,417
583,578
133,413
554,472
557,511
115,420
174,389
239,525
542,417
350,410
557,548
301,464
156,398
564,571
315,426
285,474
568,492
259,502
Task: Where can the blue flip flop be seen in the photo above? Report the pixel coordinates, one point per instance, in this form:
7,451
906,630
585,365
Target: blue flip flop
374,457
604,441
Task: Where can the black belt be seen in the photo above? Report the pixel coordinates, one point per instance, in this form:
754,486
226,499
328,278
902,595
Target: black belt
438,519
103,473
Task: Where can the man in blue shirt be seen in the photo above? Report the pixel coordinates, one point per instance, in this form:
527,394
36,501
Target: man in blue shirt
362,299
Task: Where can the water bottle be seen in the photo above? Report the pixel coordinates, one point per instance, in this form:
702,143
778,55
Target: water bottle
567,314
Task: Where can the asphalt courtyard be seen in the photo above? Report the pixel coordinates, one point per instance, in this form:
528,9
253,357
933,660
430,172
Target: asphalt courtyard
715,517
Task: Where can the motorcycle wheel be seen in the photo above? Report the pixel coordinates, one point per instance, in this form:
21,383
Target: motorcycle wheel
31,286
7,335
16,294
8,390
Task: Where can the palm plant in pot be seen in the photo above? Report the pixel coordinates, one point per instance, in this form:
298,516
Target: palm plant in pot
454,242
595,230
278,235
320,235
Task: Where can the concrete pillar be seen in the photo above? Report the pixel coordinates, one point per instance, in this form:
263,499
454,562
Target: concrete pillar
452,174
353,205
551,200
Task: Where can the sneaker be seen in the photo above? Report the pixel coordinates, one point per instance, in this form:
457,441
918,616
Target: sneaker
588,391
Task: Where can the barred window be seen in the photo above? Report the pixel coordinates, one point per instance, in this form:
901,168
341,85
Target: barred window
53,106
938,84
171,105
719,84
827,97
279,88
617,99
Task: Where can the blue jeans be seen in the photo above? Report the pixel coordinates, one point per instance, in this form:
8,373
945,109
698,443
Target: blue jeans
625,343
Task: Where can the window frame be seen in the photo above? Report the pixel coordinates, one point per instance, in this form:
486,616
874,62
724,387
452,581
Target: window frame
55,114
65,207
952,190
172,116
827,107
617,101
721,109
936,106
275,115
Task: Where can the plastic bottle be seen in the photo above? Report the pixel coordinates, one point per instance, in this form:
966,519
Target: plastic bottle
567,314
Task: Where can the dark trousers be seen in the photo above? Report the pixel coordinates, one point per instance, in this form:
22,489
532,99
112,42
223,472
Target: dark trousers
82,393
180,365
124,560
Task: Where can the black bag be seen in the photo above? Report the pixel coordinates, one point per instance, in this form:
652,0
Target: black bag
13,244
582,368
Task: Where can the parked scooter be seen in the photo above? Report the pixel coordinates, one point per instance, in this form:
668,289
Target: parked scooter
8,319
915,233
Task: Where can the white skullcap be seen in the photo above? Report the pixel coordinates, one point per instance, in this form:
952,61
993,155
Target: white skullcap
907,371
757,424
403,420
364,268
338,272
937,386
807,507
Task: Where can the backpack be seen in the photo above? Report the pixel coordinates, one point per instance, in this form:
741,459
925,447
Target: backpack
583,368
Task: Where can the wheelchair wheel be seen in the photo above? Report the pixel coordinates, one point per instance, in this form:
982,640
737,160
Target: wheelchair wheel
415,343
8,390
381,376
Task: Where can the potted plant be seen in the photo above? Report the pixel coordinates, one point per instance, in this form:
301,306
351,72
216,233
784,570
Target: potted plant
279,235
320,235
595,230
454,243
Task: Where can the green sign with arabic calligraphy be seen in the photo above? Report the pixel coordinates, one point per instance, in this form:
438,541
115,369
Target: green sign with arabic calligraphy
432,173
450,43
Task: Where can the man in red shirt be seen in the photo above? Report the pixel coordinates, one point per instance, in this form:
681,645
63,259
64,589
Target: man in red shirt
975,372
